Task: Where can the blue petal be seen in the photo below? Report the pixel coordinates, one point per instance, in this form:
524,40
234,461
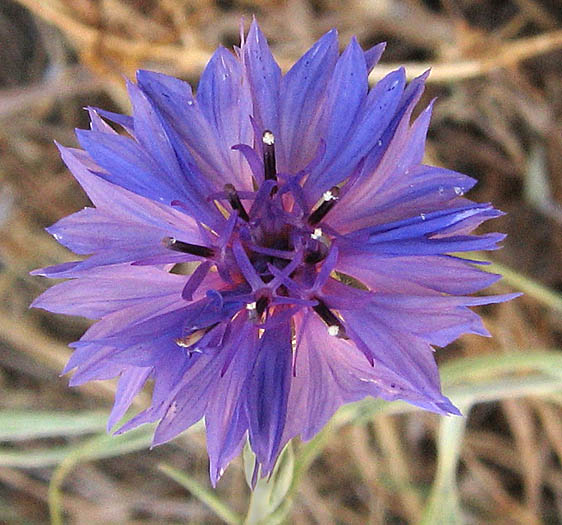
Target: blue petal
151,136
107,290
225,101
167,375
175,323
414,274
123,227
426,224
130,384
459,243
410,98
125,121
181,114
395,351
264,76
340,111
373,55
302,91
327,373
187,404
96,365
437,319
226,419
268,390
424,189
427,234
127,164
379,109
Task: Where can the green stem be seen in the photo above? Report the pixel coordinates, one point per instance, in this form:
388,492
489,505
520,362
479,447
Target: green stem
270,501
443,505
259,508
60,473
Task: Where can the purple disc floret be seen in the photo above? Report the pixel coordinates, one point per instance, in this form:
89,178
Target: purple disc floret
320,246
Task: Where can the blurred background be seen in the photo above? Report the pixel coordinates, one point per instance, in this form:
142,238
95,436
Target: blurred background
496,70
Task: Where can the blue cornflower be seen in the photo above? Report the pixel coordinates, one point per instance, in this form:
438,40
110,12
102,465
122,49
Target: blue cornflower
321,242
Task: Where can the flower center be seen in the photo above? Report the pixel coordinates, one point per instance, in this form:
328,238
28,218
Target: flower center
272,252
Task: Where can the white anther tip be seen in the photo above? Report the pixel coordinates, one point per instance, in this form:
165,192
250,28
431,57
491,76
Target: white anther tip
316,234
333,330
251,306
328,196
268,138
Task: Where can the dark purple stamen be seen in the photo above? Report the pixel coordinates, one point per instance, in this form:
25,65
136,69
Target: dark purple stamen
185,247
329,199
261,305
335,326
269,165
256,309
235,202
314,257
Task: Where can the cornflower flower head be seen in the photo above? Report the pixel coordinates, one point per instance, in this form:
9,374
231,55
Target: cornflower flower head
321,245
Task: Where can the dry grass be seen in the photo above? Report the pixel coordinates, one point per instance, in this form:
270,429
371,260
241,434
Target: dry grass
497,70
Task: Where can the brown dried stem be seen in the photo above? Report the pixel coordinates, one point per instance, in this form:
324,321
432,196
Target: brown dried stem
191,61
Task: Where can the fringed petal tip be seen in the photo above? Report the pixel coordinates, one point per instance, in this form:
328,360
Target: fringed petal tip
447,408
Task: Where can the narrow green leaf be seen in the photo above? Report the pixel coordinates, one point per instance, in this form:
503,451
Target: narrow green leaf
100,446
109,446
208,497
16,425
468,369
